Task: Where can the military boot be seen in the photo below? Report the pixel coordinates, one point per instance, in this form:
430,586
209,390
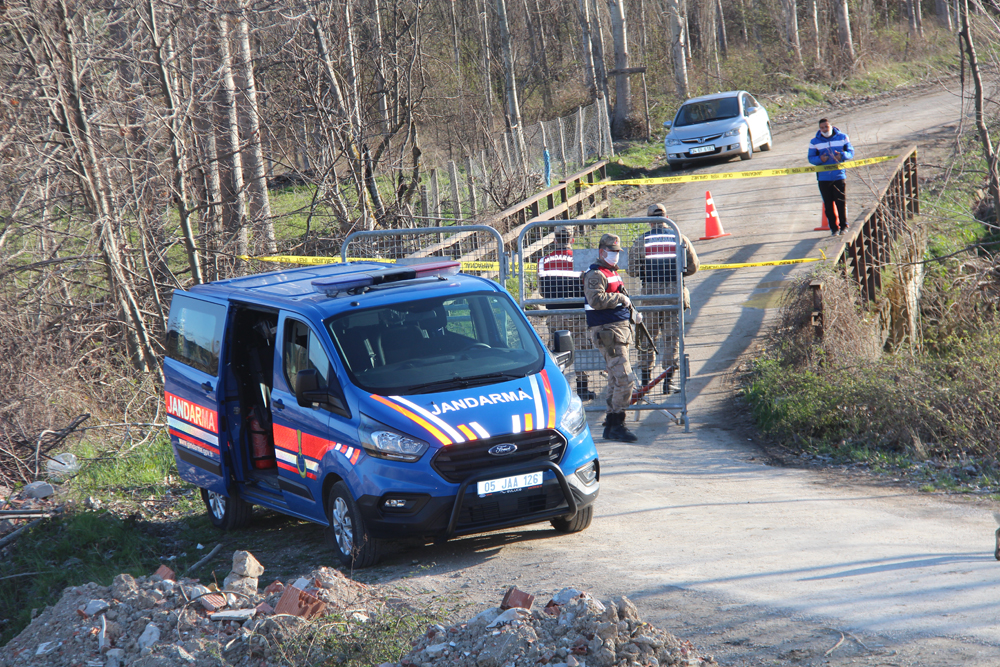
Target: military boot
668,383
644,377
609,422
618,431
583,390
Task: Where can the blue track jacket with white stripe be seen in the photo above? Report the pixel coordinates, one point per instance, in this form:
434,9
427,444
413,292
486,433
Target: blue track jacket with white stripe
839,142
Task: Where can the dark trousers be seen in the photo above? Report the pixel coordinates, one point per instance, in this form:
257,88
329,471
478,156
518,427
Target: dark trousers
834,194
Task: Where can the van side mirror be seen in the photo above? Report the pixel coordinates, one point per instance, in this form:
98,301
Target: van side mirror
308,391
562,348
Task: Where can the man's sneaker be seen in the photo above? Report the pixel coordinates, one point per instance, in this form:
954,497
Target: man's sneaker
842,230
833,232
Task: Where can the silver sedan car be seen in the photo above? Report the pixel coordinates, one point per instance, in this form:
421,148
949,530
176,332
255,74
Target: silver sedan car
717,126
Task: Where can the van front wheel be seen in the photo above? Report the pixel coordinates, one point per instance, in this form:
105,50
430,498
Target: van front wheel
355,547
578,523
226,513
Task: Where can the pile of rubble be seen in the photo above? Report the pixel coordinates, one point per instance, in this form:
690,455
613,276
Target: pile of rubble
168,621
572,630
165,621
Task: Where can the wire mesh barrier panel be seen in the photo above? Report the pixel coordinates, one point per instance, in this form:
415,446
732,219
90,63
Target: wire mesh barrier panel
479,248
552,258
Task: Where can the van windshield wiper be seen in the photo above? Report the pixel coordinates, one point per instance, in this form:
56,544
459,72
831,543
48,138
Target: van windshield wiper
467,381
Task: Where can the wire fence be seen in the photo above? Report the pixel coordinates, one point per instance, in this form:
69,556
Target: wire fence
514,167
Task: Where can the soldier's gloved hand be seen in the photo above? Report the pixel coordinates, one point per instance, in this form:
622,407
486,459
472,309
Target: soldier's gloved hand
627,302
637,316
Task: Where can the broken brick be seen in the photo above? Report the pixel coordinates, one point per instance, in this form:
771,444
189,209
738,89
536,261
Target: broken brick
299,603
553,608
264,609
274,587
165,573
212,601
516,598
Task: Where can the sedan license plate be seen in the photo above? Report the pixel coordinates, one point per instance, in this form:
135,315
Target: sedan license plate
702,149
509,484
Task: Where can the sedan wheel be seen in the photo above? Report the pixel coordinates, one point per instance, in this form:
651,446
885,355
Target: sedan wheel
749,153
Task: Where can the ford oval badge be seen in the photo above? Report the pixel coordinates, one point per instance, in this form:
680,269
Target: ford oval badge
503,449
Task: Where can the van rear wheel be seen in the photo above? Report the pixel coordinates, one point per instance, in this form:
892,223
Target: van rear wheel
354,545
578,523
226,513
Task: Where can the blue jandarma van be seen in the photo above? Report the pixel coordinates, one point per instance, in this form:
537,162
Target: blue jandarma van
381,401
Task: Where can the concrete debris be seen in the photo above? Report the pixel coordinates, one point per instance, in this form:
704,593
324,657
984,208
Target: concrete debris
159,622
596,635
156,621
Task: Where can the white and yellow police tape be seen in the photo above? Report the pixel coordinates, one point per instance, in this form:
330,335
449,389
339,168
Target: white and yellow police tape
776,262
760,173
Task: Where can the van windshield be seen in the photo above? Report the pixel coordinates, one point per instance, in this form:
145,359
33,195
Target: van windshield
437,344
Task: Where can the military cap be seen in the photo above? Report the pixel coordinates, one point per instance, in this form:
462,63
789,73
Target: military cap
656,211
610,241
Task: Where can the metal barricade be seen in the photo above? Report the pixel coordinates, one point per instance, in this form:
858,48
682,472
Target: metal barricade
655,286
478,247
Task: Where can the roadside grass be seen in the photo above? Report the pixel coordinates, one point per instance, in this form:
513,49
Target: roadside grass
341,640
927,412
146,516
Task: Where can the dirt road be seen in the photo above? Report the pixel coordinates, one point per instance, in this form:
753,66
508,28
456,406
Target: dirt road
759,564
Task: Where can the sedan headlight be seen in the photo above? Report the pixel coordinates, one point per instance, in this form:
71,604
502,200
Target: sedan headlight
735,132
382,442
575,419
672,141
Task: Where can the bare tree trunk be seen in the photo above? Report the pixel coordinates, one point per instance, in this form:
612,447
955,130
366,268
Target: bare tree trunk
812,11
844,31
790,12
597,43
454,43
178,152
258,170
546,75
677,51
513,107
487,64
589,73
235,158
721,31
381,92
915,22
943,12
993,174
623,89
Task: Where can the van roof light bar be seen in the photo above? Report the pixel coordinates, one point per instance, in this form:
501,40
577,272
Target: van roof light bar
353,282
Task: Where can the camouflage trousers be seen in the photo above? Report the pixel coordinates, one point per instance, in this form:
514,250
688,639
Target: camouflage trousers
619,369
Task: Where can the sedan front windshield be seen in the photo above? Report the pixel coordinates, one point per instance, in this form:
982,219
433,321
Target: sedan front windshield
436,344
707,111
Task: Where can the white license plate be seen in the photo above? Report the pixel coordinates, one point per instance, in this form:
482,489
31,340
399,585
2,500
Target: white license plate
702,149
509,484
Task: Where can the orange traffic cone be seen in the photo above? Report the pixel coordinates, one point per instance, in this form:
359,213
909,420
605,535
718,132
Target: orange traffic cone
713,227
825,225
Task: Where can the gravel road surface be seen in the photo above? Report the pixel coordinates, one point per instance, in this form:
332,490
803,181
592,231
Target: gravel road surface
754,563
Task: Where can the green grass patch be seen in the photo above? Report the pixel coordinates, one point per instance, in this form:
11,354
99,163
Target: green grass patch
70,550
147,470
336,640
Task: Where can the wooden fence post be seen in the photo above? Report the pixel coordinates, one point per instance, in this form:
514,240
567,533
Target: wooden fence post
471,180
456,201
562,148
424,209
579,134
435,197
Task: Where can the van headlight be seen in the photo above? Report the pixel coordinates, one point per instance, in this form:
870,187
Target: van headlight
382,442
735,132
575,419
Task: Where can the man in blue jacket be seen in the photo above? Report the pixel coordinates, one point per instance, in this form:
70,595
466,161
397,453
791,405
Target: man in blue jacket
831,146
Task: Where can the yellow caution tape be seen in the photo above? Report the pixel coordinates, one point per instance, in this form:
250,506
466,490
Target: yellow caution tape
315,261
777,262
751,174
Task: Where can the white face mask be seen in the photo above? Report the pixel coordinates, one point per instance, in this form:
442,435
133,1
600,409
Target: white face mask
611,257
828,133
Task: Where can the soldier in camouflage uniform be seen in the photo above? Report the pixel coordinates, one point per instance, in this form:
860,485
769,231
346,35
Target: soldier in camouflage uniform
608,312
